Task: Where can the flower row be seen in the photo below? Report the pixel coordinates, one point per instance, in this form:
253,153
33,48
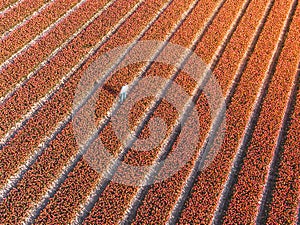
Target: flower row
16,14
111,144
42,124
20,37
30,58
251,179
206,191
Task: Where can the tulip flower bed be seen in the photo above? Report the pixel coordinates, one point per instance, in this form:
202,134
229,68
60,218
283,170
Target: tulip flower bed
14,73
113,212
283,207
238,44
6,4
70,89
261,148
142,158
37,87
18,13
208,186
20,147
120,77
172,187
20,37
14,207
253,49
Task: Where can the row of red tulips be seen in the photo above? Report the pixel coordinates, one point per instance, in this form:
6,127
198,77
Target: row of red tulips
29,59
64,98
110,141
162,196
18,13
20,37
205,193
283,206
252,177
57,108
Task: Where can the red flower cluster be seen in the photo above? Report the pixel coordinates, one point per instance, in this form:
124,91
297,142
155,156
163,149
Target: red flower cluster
205,193
18,13
39,51
283,207
75,188
252,177
56,109
105,136
18,38
6,4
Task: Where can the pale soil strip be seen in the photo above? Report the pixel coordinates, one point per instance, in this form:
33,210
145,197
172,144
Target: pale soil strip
297,217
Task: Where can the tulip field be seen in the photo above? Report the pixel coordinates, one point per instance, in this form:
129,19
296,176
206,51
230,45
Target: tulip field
209,132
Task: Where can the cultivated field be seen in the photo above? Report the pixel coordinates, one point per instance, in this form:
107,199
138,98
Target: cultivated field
209,132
